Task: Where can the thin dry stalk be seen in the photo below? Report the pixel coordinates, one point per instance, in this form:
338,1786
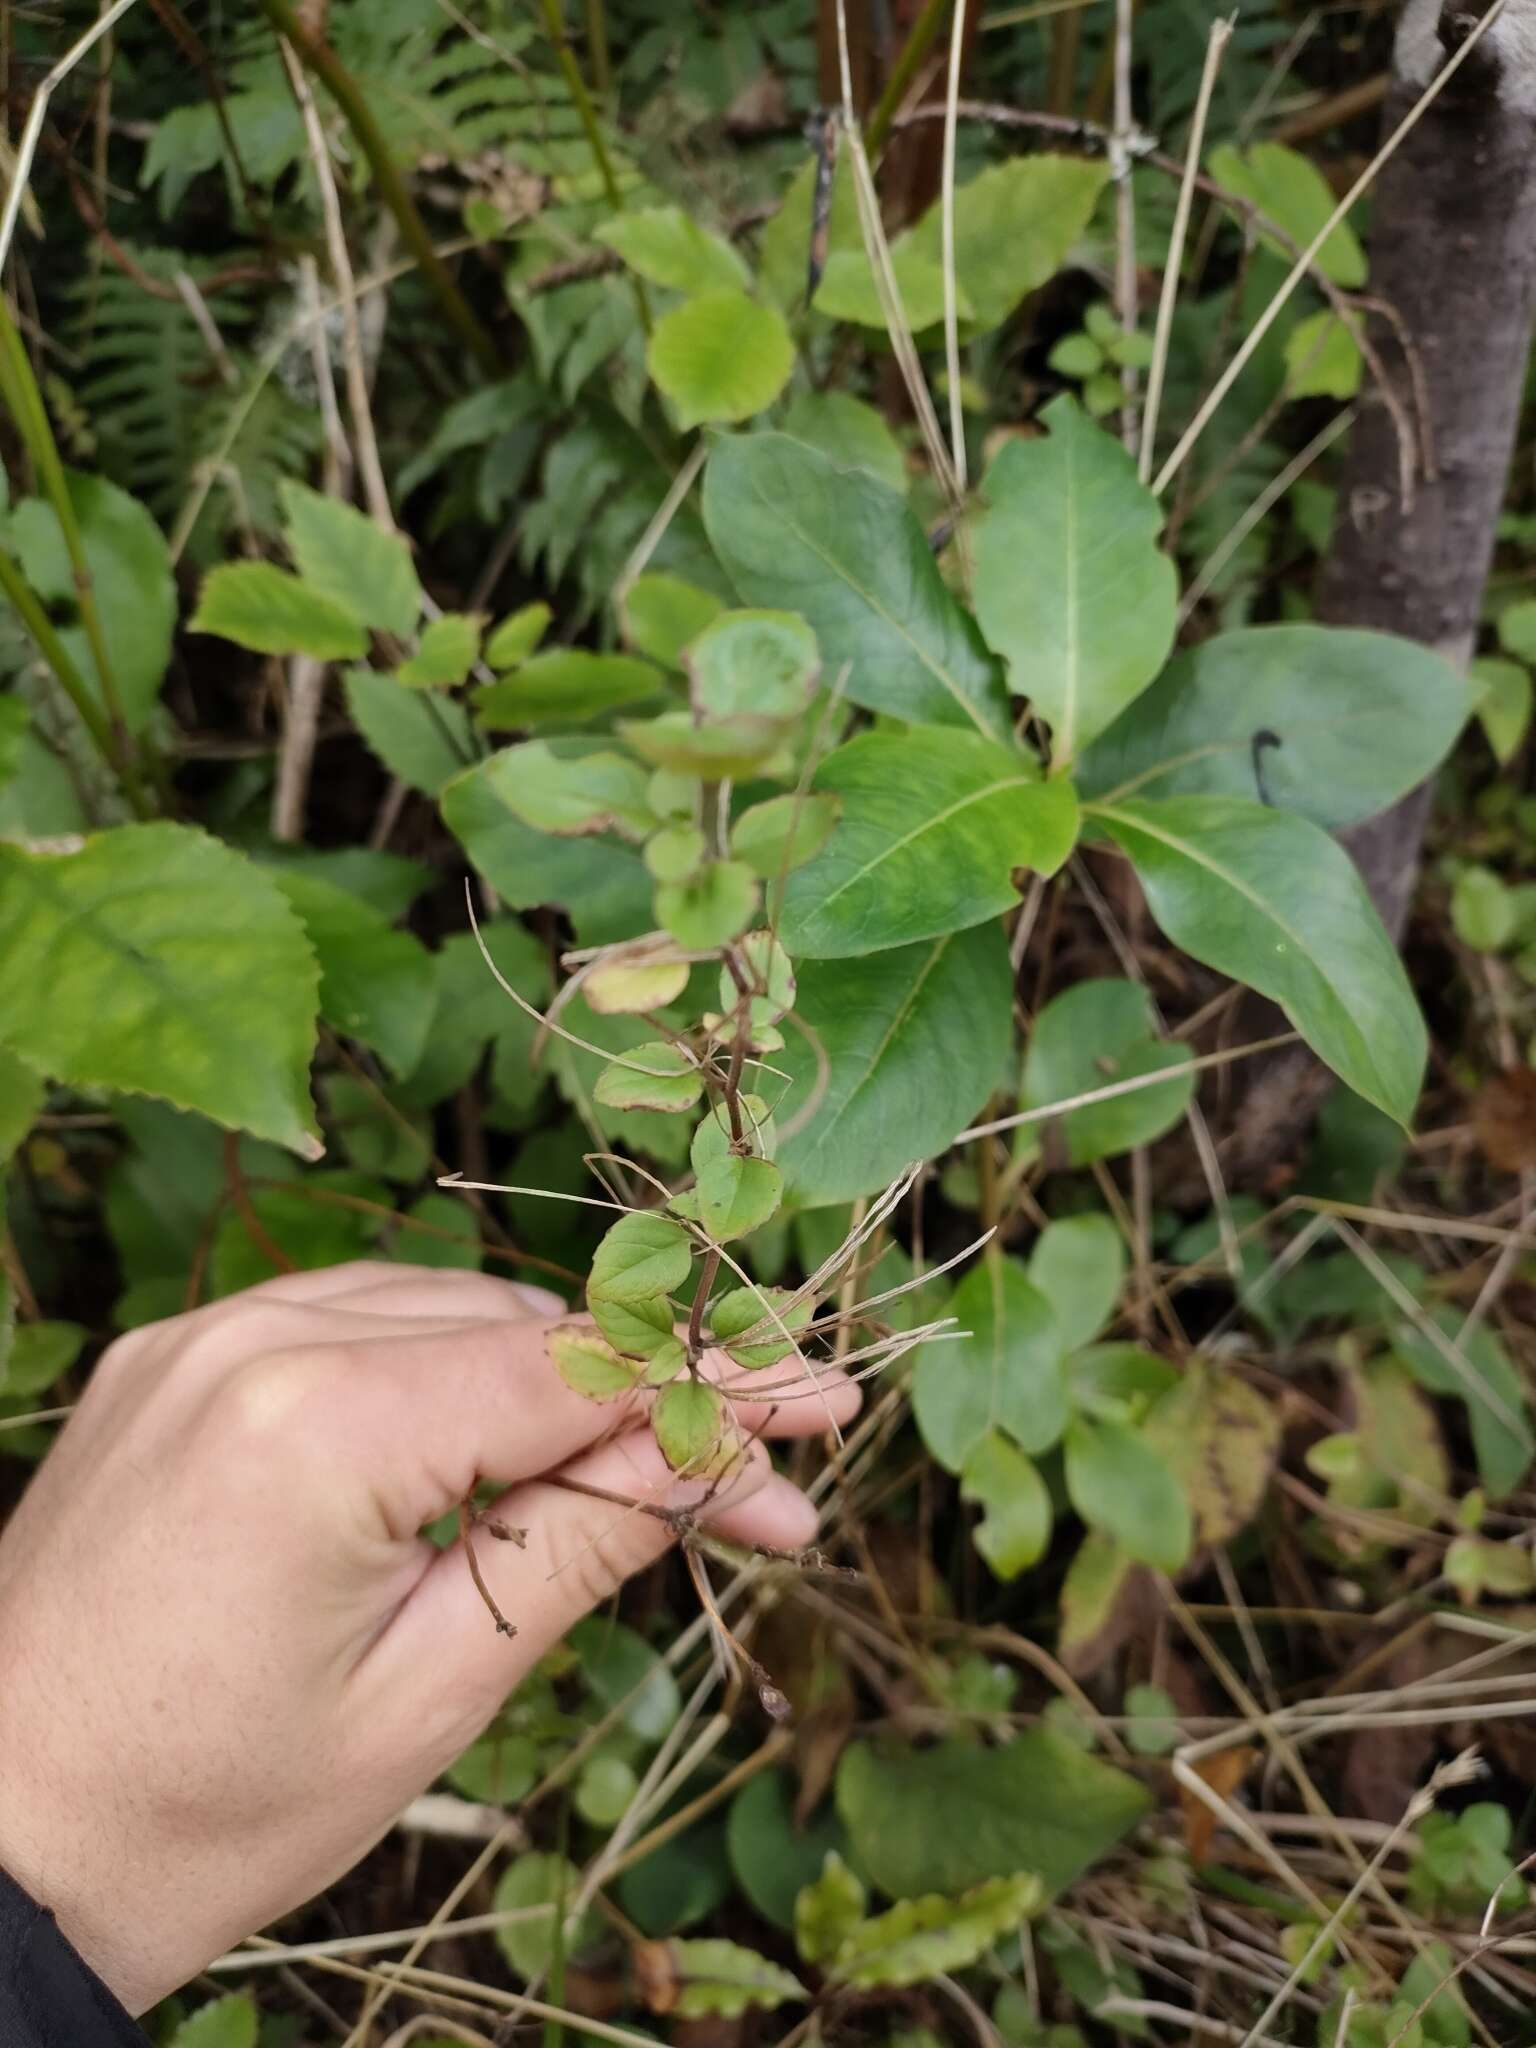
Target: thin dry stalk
1215,49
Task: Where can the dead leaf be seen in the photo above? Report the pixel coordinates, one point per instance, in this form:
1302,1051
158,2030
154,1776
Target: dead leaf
1223,1772
656,1977
1221,1437
1504,1120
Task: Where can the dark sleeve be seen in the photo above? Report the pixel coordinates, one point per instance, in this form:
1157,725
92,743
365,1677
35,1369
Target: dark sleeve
50,1998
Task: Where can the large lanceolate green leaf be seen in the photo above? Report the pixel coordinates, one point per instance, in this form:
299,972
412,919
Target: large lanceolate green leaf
1014,228
1270,899
131,579
604,886
946,1818
1008,1372
794,531
1316,719
349,558
157,961
914,1040
931,828
1071,586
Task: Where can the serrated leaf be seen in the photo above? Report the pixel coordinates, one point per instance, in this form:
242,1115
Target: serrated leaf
565,686
774,836
713,1139
932,827
711,1979
1270,899
1015,1530
952,1816
262,607
690,1424
669,1080
172,966
1333,723
837,546
517,635
828,1910
915,1041
741,1324
1120,1485
641,1256
377,984
1007,1372
667,247
640,1329
131,577
720,356
737,1195
426,745
928,1937
1088,1037
445,653
589,1364
1071,586
349,558
230,2022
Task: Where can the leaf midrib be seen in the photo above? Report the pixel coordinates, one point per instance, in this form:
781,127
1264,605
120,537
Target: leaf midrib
935,668
929,824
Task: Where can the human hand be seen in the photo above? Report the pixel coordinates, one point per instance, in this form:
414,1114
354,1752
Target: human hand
231,1659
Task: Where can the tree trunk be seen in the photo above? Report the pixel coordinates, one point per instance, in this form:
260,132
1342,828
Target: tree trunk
1453,251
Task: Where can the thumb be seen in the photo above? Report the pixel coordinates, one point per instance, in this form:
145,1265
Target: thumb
578,1548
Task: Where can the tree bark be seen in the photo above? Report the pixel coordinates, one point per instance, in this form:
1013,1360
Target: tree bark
1453,252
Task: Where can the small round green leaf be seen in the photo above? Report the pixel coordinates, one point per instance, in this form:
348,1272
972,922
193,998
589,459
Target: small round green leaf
1119,1485
721,356
737,1195
777,835
675,852
712,908
543,1879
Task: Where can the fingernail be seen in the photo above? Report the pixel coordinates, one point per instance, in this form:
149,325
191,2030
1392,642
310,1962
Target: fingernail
542,1300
